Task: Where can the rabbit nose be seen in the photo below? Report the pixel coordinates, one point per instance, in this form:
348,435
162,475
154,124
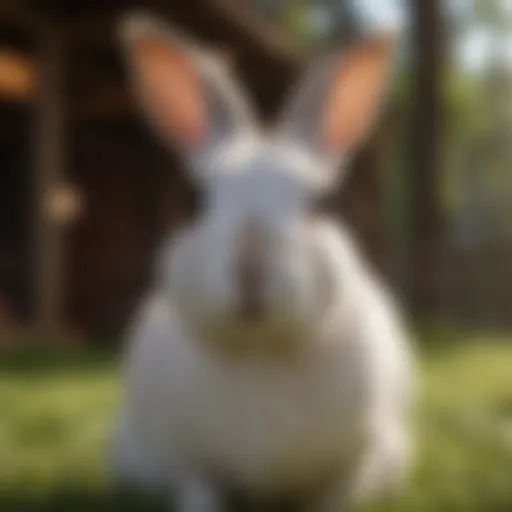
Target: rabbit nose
251,272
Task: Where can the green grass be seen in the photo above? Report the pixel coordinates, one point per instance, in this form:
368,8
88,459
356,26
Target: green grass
56,409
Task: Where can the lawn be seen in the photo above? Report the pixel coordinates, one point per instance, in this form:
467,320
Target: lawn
56,409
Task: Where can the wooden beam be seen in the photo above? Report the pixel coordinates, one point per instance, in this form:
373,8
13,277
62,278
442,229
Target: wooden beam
49,144
16,13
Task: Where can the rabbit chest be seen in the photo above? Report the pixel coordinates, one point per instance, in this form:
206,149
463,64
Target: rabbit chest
262,423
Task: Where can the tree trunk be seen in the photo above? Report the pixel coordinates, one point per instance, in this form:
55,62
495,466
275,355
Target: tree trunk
426,159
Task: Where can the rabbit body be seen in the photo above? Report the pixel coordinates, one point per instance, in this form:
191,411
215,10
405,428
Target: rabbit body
272,423
268,359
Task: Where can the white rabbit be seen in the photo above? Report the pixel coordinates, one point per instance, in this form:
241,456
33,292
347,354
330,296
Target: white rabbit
268,358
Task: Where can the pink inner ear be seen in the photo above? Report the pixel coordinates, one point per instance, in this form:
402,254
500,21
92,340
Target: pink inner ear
172,90
354,97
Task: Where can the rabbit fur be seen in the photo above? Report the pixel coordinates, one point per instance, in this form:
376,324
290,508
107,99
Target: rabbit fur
312,400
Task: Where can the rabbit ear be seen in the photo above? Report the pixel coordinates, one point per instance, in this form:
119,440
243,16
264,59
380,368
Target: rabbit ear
187,95
338,100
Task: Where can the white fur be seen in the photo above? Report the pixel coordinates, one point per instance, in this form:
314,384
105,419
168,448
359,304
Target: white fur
313,401
272,423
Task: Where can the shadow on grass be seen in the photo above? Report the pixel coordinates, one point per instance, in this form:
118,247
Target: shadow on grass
78,500
37,360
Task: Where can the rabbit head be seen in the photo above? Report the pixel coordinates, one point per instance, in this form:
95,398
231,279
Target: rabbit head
250,258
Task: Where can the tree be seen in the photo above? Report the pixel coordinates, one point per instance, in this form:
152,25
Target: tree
426,155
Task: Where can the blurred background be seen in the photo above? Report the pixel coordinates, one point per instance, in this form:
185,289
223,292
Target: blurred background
87,194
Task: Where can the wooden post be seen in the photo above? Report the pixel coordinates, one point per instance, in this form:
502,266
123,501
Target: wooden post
48,169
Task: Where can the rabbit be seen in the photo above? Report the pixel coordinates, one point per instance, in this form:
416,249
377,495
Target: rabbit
267,358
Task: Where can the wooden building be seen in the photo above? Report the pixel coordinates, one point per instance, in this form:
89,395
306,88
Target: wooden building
86,193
